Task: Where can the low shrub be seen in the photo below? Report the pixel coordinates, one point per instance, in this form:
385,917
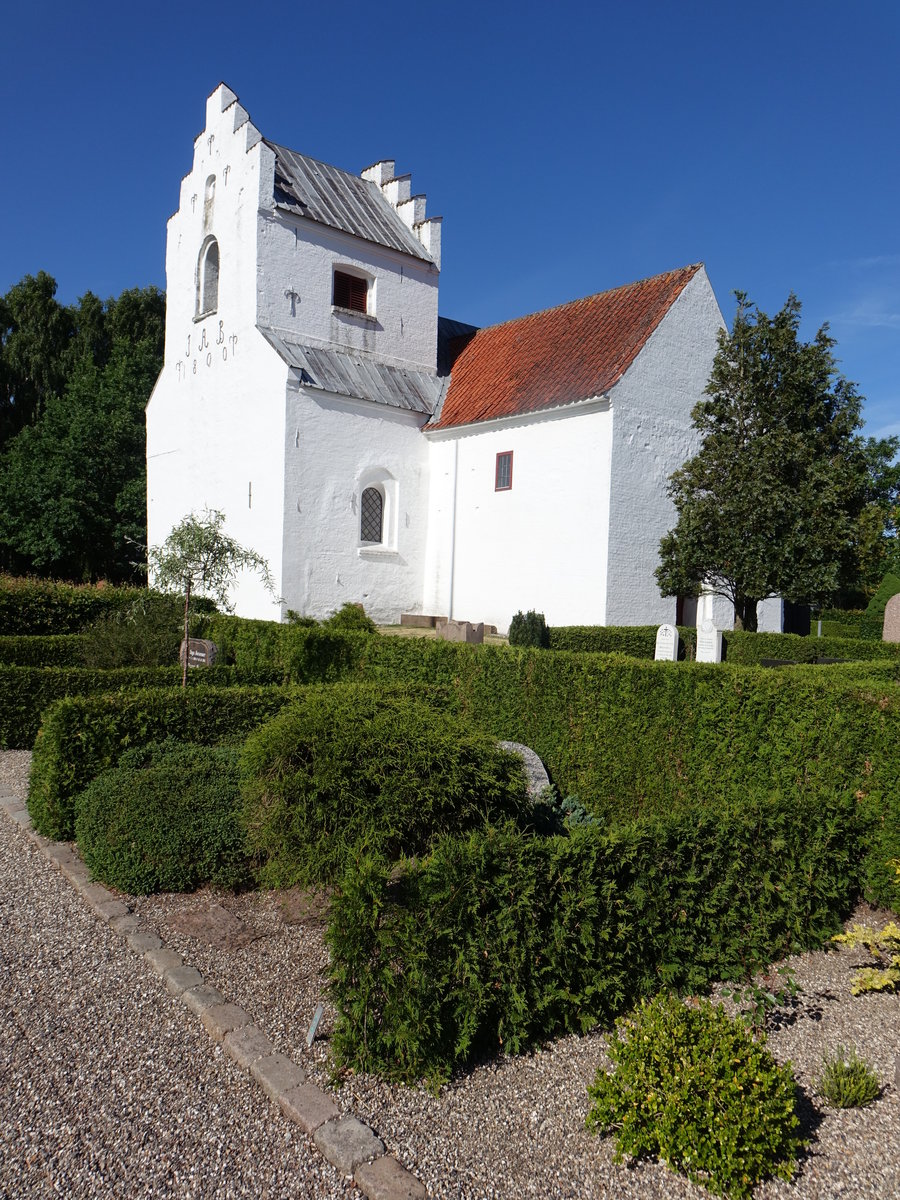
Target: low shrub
82,736
350,618
40,606
351,764
529,629
165,820
847,1081
696,1090
883,945
499,940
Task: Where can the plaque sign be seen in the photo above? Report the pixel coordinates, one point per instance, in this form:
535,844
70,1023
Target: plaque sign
667,643
201,652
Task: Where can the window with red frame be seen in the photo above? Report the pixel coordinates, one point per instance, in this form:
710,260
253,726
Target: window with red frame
350,292
503,471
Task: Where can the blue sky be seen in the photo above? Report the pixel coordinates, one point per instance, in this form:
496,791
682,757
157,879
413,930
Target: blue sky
570,147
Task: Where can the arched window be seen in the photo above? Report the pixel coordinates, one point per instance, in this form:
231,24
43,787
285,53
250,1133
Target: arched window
208,278
371,515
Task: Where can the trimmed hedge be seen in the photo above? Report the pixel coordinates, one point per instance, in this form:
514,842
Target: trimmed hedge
26,691
851,623
304,653
39,606
350,764
639,641
84,735
167,819
499,941
43,650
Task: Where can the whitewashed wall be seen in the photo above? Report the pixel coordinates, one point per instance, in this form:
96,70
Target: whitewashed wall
215,421
541,545
652,437
297,259
334,448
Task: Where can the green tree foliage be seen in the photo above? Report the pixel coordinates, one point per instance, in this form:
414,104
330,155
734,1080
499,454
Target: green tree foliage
781,498
74,383
198,556
35,333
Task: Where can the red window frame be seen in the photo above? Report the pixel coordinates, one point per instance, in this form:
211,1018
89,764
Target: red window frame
504,457
350,291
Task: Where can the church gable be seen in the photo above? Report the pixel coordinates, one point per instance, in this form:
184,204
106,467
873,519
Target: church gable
559,356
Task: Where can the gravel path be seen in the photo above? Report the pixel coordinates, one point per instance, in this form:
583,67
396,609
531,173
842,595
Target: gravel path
512,1128
109,1086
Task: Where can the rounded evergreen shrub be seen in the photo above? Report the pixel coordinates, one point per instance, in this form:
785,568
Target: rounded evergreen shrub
166,819
694,1088
350,765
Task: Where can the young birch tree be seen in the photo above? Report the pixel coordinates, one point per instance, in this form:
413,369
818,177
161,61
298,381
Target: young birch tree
199,558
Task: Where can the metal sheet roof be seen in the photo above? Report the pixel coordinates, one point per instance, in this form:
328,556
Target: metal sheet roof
359,377
327,194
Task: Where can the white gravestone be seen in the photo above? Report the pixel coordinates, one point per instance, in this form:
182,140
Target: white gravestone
667,643
709,642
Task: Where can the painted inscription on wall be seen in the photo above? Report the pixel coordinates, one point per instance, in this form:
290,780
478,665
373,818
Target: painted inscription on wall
200,353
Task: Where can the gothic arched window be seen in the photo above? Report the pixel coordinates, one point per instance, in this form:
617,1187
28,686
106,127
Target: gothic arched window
208,278
371,515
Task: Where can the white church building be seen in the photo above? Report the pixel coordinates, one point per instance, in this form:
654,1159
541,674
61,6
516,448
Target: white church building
376,453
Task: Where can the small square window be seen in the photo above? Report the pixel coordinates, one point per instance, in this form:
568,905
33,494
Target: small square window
503,472
350,292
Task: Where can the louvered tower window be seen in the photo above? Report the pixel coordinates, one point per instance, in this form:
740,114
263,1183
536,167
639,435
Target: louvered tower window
371,515
350,292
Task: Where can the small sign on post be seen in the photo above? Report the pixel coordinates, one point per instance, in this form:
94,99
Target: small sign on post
667,643
317,1017
201,652
709,642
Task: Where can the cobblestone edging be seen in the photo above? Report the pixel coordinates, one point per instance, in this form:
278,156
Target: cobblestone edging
347,1143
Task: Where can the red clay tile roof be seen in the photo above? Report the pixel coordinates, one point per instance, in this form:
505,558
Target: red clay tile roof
558,356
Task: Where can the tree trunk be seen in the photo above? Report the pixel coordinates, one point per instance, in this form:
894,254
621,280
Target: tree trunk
745,614
187,605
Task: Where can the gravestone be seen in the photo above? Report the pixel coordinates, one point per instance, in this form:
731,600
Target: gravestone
461,631
891,629
535,771
709,642
667,643
201,652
